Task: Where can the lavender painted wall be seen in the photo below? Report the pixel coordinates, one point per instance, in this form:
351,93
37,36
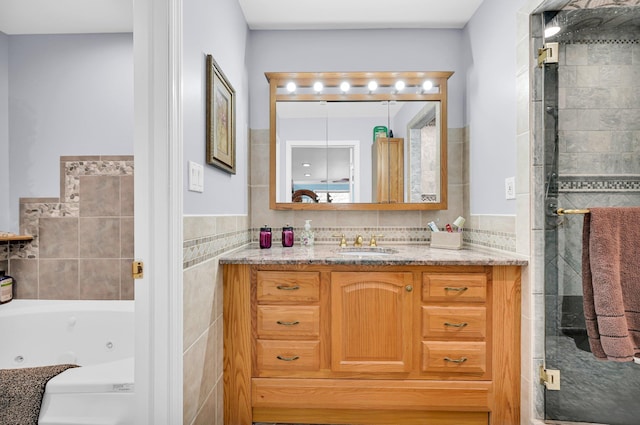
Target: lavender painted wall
354,50
68,95
490,112
4,132
217,28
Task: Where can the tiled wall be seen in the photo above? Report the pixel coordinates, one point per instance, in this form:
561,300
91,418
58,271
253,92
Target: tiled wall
395,226
82,244
205,239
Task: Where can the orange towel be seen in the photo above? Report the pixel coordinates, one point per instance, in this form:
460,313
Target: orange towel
611,282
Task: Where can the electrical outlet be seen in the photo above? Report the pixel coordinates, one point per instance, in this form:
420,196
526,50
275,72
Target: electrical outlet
510,188
196,177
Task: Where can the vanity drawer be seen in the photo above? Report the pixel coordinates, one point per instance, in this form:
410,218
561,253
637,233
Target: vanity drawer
454,322
274,286
450,287
288,355
454,357
284,321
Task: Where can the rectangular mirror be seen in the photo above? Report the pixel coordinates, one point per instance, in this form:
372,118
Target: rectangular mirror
360,148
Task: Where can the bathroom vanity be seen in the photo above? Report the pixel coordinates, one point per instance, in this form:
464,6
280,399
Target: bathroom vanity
317,335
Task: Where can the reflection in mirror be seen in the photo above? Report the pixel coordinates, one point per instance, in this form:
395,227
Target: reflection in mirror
362,151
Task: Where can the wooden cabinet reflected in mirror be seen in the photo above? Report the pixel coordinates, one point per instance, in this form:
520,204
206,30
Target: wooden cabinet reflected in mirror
356,146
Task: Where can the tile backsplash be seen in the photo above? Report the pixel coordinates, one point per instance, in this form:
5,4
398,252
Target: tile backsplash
82,244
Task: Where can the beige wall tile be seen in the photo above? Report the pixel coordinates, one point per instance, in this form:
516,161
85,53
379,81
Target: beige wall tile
25,273
198,291
198,365
99,279
126,196
199,226
99,237
58,280
127,286
127,245
99,196
58,237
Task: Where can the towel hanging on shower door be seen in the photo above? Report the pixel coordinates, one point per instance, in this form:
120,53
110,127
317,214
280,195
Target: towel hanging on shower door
611,282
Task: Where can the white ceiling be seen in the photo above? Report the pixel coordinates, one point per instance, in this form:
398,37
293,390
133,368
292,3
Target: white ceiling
97,16
348,14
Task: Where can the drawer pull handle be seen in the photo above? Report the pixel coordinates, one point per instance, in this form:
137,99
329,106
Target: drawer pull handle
457,289
288,359
456,325
460,360
280,322
288,288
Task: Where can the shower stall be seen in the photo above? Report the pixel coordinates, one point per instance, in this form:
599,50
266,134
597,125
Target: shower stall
590,121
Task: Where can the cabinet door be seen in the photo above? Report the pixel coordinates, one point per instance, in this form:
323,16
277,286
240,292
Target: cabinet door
371,321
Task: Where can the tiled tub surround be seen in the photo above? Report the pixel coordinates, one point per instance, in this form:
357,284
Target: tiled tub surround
82,244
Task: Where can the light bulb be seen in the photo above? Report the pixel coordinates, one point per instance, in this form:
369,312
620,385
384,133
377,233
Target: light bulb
291,87
317,86
372,85
427,85
400,85
344,86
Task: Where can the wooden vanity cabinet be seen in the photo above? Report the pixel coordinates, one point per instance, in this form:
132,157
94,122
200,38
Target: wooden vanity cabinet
344,344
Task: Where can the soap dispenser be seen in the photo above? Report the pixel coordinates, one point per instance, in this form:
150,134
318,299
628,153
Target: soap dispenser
307,236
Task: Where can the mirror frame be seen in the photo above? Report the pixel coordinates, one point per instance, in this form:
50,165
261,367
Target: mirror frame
279,80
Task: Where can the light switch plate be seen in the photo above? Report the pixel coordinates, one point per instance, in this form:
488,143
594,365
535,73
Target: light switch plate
196,177
510,188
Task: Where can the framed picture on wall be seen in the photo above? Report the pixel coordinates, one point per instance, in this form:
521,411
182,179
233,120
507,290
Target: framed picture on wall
221,117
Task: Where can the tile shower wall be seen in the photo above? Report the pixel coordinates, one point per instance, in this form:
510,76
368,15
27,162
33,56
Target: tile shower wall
82,244
205,239
395,226
598,164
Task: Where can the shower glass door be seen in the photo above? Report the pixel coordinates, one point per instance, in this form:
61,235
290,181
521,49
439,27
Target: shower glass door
591,120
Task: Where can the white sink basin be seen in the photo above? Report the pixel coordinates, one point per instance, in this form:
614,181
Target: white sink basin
367,251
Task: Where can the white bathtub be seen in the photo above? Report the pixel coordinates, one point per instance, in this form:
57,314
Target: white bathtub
97,335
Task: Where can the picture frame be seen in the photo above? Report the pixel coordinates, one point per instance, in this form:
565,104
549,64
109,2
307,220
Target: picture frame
221,117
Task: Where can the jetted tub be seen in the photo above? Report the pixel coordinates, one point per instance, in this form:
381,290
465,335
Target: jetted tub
97,335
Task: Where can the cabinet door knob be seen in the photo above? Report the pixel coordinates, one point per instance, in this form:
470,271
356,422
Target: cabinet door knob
460,360
409,288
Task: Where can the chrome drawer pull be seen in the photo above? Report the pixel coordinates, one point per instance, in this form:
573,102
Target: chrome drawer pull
280,322
457,289
456,325
288,359
288,288
460,360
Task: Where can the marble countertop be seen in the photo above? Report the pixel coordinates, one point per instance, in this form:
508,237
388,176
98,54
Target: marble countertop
402,255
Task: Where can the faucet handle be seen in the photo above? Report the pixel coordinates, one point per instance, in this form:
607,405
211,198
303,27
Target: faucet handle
343,240
373,241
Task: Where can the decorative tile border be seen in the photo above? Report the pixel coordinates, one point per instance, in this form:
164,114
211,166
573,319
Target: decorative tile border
490,239
588,183
402,235
196,251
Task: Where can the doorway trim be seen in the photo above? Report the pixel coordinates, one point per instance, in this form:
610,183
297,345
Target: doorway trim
157,47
